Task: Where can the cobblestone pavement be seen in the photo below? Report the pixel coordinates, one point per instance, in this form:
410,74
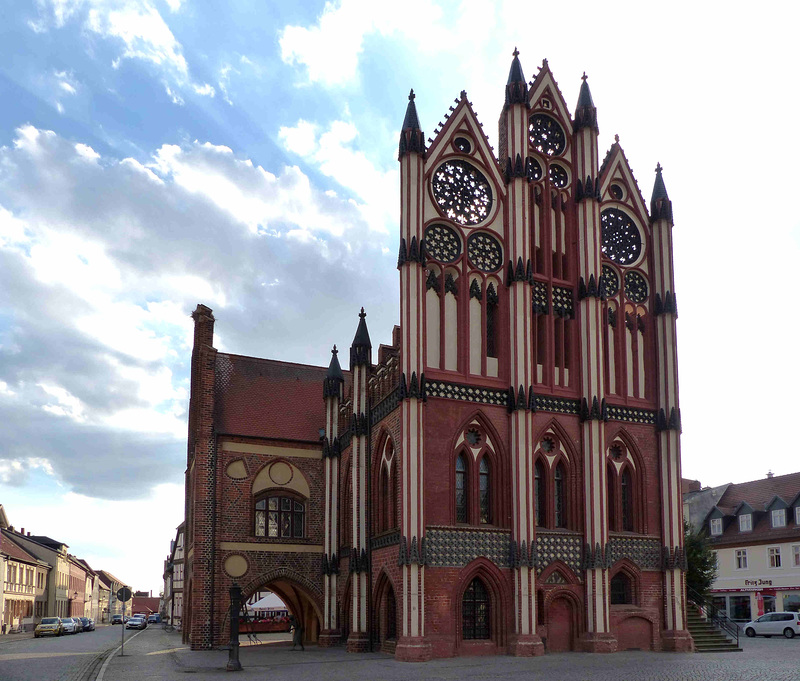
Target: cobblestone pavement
157,655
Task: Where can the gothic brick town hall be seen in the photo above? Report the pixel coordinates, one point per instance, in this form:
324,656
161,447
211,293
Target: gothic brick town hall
505,477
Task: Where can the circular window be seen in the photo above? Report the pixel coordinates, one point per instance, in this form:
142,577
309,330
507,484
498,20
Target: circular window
621,241
546,135
462,144
635,287
610,280
473,437
534,170
548,445
558,176
462,192
484,252
442,243
616,192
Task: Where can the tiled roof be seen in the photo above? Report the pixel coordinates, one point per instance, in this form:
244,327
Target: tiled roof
758,493
13,551
267,398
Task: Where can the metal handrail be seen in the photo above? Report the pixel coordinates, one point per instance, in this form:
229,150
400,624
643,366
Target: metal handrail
716,616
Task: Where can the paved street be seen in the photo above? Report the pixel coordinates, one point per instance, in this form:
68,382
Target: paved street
67,658
156,655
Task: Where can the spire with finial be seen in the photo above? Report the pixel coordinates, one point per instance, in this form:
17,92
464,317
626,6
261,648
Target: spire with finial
334,378
516,87
660,205
586,111
411,136
360,350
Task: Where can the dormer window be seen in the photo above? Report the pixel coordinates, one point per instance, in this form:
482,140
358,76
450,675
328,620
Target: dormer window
779,517
797,515
745,522
716,527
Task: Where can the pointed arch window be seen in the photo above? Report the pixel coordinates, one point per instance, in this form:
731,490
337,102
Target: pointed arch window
559,496
611,501
475,611
491,321
538,494
461,489
485,492
626,498
621,589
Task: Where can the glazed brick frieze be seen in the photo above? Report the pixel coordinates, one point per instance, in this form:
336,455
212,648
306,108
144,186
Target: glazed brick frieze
384,540
567,548
456,547
467,393
644,551
385,407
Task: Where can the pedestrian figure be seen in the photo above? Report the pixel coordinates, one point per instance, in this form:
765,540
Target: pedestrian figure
297,629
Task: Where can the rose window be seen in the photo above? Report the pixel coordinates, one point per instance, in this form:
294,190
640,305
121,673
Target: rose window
442,243
635,287
546,135
558,176
610,281
621,241
484,252
462,192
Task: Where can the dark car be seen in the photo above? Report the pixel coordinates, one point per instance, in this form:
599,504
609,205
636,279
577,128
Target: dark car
154,619
88,623
117,619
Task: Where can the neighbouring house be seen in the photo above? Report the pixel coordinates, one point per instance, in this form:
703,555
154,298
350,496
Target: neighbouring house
754,528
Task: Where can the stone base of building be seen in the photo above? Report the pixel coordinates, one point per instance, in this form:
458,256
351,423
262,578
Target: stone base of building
412,649
526,645
358,642
677,641
598,643
329,638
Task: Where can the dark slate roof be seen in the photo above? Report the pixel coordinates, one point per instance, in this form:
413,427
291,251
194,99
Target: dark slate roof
659,188
268,398
47,541
411,121
334,368
361,339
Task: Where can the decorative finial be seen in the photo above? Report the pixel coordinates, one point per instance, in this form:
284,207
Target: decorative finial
544,62
658,168
584,76
411,95
362,314
463,94
616,138
515,52
334,351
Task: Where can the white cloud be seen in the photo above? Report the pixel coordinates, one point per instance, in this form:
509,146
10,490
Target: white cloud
301,139
206,90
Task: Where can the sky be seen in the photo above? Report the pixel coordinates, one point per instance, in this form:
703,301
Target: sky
156,154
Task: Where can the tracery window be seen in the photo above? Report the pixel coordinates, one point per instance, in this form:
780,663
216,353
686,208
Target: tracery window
280,516
559,494
626,498
475,611
461,489
538,494
485,492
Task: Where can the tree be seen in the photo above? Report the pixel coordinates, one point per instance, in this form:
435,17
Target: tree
701,562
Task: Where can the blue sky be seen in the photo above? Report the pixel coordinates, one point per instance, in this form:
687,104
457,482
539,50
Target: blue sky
159,153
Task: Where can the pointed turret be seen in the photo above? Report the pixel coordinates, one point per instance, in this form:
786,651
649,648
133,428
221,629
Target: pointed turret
334,378
361,348
660,205
516,87
586,111
411,136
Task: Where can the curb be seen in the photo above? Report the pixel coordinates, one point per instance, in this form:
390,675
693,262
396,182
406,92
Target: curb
110,656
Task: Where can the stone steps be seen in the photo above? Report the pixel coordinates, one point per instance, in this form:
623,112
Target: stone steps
707,638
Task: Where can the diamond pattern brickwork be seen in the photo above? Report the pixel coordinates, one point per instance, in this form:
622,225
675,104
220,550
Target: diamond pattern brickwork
456,547
552,546
643,551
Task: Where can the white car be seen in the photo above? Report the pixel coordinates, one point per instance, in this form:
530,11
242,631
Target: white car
774,624
69,625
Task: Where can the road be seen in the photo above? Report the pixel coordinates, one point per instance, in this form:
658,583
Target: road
66,658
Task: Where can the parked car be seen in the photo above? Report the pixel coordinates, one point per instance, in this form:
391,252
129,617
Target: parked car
68,626
49,626
119,619
775,624
78,624
136,623
88,623
154,619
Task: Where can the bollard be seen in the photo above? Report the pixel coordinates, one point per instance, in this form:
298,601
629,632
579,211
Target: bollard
233,652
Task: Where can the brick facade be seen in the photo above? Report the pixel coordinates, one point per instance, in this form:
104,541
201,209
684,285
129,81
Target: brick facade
520,492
